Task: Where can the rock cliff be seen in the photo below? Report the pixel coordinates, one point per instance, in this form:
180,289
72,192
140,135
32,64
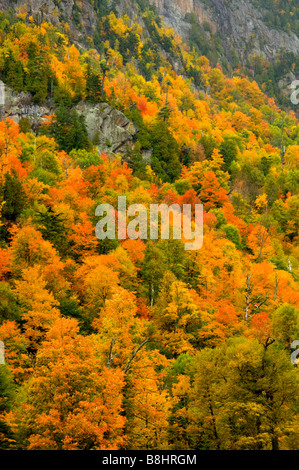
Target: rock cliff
237,21
108,128
240,25
20,105
57,11
230,30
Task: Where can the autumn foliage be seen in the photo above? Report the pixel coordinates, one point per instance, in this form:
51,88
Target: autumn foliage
135,344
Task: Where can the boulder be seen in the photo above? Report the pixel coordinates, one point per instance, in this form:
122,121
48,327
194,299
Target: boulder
20,105
107,127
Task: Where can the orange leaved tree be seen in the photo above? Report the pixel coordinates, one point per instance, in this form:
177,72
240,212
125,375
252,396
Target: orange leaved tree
72,402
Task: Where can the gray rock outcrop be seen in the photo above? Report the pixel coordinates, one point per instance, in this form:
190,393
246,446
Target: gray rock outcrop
108,128
237,22
57,11
20,105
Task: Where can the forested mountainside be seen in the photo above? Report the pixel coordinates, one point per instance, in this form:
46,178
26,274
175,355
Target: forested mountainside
140,344
257,38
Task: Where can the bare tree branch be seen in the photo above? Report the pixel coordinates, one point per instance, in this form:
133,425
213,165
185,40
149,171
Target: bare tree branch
134,354
111,357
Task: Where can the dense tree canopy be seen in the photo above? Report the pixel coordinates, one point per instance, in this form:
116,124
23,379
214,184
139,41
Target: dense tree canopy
123,344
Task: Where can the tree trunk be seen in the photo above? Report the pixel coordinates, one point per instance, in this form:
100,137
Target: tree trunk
248,292
275,443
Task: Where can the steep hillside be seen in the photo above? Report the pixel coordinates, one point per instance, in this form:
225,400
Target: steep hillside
129,342
243,26
259,38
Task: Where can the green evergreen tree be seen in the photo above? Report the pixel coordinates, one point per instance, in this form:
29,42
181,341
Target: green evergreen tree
39,73
165,152
209,144
13,73
153,270
93,85
15,201
69,129
52,227
229,151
